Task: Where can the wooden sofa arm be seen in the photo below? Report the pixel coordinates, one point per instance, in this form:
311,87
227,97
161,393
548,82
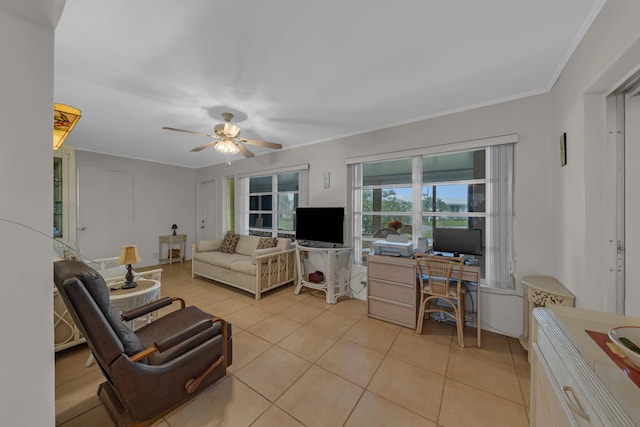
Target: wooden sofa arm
265,257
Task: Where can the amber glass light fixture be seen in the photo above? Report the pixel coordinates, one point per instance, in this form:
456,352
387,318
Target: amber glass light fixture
129,255
65,118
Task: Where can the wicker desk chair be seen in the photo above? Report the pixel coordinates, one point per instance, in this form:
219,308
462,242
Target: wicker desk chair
441,281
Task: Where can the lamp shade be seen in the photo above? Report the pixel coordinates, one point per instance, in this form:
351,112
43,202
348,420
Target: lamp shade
65,118
129,255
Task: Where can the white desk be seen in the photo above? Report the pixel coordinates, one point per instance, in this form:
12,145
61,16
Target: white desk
335,263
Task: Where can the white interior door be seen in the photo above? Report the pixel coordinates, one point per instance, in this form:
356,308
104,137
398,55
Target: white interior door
208,212
105,212
632,206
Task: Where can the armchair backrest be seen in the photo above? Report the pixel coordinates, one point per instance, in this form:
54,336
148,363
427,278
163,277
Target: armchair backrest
441,273
86,295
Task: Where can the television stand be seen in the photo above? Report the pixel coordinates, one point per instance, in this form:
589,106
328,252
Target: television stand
322,245
334,262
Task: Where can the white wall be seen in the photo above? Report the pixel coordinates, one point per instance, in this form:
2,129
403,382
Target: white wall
26,328
583,256
527,117
164,195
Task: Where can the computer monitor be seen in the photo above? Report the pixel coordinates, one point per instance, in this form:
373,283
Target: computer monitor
458,241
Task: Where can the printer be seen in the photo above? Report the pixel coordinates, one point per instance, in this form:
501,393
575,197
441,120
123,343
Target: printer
394,246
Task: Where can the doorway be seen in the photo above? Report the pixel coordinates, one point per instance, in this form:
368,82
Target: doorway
624,104
631,203
105,212
208,212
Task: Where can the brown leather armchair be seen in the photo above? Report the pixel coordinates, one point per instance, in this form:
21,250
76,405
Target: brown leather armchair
150,371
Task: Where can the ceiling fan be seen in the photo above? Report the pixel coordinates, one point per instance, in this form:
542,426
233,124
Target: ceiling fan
227,139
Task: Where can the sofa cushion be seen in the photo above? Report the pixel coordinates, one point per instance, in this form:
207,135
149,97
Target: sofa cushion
217,258
247,244
208,245
229,243
267,242
244,265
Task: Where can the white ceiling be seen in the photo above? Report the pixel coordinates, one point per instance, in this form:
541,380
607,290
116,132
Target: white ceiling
296,72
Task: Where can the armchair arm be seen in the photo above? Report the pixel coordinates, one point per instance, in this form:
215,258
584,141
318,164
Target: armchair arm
149,307
174,340
193,330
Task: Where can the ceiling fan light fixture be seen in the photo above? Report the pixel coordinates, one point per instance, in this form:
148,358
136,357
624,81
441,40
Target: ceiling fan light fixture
227,146
231,130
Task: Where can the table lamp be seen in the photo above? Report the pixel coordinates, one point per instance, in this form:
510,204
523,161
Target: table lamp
129,255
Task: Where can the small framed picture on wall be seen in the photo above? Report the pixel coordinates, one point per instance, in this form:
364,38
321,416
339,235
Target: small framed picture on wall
563,149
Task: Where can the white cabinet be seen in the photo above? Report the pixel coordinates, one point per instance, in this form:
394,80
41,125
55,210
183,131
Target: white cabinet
541,291
392,290
573,381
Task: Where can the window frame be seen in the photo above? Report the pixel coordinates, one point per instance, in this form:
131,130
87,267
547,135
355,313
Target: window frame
502,275
243,209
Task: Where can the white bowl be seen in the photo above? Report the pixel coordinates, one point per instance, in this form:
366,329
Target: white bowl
632,333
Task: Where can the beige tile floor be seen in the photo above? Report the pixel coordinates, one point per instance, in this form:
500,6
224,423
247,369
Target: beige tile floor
301,362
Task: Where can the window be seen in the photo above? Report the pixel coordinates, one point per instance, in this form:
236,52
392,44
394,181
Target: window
268,203
386,196
267,218
415,195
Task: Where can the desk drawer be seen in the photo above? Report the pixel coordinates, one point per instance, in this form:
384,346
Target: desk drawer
391,272
394,291
394,312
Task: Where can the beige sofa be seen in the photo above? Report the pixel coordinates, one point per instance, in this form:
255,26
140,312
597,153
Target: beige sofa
248,268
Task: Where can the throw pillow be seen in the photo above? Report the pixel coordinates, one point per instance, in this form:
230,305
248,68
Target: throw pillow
229,243
267,242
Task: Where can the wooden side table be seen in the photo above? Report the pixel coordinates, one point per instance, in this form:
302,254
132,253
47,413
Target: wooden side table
170,241
541,291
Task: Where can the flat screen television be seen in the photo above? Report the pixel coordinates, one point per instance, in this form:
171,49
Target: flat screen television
457,241
319,225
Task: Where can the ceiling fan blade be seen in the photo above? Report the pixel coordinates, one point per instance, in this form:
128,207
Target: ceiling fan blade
261,143
245,151
189,131
203,146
